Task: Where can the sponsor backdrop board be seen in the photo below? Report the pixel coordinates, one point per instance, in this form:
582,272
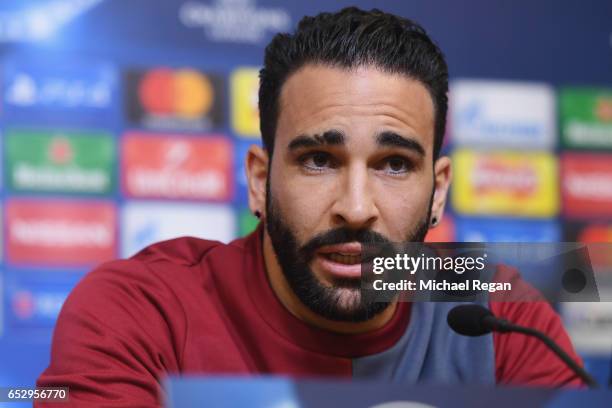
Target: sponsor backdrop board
586,118
503,114
587,185
56,161
147,222
198,167
509,183
165,98
60,90
126,123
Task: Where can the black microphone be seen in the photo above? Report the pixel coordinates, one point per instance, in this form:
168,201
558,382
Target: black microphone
475,320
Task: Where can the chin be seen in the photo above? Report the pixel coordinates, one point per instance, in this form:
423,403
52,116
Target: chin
347,302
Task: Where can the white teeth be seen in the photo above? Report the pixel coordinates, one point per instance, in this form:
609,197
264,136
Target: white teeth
344,259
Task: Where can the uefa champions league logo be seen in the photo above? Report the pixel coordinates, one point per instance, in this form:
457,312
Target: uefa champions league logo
239,21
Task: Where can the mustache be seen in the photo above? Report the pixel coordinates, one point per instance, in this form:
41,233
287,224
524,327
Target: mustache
341,235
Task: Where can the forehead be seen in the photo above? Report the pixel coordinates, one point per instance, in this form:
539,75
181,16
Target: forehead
358,102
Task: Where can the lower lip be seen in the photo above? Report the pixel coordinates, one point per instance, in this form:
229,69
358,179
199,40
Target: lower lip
339,270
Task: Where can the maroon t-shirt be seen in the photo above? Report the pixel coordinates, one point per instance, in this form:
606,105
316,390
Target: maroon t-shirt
195,306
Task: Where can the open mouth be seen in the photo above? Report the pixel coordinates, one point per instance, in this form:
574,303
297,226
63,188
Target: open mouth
341,260
345,259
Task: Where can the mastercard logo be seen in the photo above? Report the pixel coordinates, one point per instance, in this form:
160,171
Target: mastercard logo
184,93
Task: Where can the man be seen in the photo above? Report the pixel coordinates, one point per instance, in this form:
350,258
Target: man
353,108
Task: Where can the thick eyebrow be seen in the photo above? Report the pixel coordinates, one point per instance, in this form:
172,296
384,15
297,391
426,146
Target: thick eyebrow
394,140
330,137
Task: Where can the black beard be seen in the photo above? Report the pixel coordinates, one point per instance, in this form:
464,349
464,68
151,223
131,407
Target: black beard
343,301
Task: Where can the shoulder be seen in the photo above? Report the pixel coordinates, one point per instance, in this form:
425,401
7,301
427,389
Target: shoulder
184,251
162,273
524,305
154,291
168,262
525,360
128,321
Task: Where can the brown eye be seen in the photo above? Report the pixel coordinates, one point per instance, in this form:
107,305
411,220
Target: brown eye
397,164
316,161
320,159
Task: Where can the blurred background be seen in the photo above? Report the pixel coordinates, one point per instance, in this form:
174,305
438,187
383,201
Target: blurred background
123,123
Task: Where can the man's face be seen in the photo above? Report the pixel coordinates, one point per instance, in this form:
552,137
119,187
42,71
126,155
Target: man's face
352,163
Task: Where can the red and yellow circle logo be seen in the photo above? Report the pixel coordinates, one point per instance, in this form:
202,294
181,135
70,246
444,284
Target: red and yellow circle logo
185,93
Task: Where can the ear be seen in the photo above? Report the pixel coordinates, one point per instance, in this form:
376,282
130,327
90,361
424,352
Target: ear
442,178
257,174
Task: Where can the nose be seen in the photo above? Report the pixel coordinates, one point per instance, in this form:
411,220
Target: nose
355,206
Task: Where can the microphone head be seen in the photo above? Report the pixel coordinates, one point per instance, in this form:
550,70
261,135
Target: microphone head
469,320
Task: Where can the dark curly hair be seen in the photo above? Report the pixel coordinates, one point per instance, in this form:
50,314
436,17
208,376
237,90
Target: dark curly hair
350,38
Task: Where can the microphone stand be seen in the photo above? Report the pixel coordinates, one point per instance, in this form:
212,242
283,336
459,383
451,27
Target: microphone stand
504,326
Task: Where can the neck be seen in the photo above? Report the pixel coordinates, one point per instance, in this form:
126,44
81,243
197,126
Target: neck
285,294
